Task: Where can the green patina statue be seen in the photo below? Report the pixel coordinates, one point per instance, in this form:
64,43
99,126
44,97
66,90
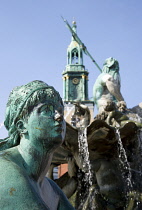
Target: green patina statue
120,117
34,120
107,85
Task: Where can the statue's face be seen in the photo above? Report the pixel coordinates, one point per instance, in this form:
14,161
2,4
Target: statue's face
46,124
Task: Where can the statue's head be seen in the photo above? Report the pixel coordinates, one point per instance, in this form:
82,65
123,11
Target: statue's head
110,66
33,105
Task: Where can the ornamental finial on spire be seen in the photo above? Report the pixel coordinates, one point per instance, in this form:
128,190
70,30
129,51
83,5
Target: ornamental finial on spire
74,22
74,26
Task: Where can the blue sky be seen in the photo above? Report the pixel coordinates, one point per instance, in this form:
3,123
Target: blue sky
34,41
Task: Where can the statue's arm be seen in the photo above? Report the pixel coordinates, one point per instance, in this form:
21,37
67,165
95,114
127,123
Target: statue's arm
113,87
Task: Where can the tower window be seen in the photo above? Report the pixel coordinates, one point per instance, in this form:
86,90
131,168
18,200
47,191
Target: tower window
75,57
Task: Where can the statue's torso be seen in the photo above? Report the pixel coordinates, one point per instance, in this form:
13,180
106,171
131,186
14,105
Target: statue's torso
101,93
18,191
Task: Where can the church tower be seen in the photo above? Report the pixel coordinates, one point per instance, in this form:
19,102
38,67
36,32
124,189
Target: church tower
75,86
75,77
75,80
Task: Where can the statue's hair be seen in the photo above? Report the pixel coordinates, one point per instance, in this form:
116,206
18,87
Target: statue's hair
21,103
40,96
111,66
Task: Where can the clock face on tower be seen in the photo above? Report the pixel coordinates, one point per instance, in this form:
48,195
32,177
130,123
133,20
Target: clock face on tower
75,81
75,88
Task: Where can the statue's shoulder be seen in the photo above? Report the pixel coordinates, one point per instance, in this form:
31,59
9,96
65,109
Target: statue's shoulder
11,176
16,190
6,165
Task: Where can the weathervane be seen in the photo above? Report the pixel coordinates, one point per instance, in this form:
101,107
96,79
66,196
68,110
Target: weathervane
77,39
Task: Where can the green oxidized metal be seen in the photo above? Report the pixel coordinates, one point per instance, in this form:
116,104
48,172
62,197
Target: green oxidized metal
75,76
36,128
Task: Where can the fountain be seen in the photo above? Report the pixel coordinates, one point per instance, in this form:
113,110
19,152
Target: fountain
115,158
104,157
110,177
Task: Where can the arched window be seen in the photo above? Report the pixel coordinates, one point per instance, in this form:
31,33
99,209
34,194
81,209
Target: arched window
74,57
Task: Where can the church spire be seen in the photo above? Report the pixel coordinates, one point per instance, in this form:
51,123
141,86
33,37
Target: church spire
75,76
74,51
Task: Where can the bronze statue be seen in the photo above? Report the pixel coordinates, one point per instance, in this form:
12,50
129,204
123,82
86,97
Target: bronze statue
81,116
107,85
120,117
34,120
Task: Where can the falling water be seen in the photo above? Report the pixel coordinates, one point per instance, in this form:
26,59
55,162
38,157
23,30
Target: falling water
88,195
84,154
85,188
135,196
83,146
137,159
124,163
